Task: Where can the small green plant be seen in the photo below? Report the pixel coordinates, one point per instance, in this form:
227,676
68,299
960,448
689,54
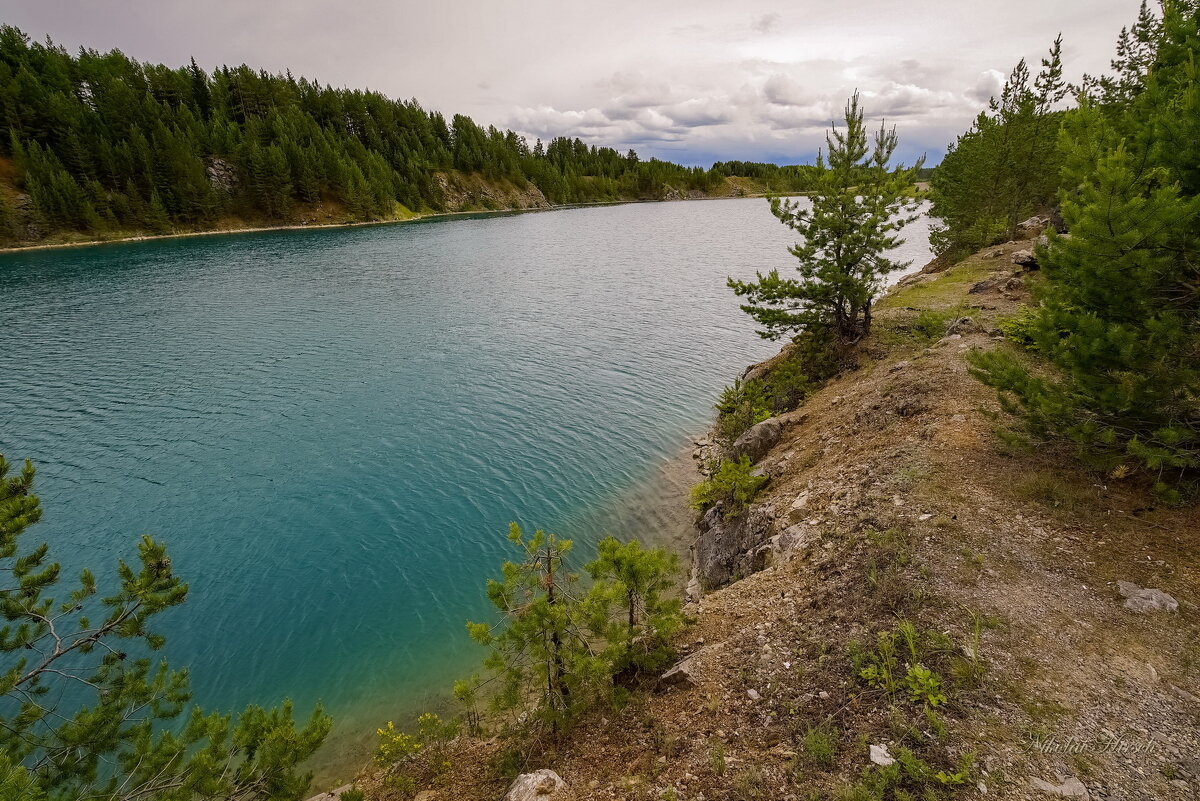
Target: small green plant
741,405
898,665
909,777
395,746
937,726
733,484
750,784
716,757
508,762
809,361
353,794
820,745
924,686
466,693
1021,326
931,325
435,735
411,757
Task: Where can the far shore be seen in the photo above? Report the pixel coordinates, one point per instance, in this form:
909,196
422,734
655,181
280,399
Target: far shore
414,218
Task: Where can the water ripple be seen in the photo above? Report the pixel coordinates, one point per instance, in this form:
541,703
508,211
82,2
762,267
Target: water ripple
332,428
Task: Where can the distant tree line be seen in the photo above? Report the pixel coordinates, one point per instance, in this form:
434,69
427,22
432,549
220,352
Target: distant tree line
103,142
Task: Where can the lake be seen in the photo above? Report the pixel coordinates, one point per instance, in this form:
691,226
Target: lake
331,429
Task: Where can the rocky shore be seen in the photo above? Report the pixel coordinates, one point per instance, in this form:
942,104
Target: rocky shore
914,606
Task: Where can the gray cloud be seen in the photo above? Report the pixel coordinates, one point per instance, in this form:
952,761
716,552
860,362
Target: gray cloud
766,22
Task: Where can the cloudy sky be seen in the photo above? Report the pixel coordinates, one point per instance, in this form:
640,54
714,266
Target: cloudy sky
690,81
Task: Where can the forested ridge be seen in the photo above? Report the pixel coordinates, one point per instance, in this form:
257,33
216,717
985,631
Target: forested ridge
99,143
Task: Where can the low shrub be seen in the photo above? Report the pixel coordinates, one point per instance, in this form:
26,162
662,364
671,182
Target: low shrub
733,484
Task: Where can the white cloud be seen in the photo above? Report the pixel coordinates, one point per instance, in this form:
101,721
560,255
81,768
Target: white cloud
988,85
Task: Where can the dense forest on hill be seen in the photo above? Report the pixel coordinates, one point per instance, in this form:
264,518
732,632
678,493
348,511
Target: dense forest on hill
99,142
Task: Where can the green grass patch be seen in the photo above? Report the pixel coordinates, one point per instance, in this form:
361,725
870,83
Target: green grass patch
950,288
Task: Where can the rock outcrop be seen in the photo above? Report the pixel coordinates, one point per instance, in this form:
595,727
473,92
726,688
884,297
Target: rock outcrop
221,174
461,192
726,549
758,439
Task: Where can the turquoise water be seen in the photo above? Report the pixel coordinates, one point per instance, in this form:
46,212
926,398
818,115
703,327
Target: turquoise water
331,429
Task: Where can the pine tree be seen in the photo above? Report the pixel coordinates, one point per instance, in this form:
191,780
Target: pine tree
859,206
9,229
1005,167
85,712
540,645
1119,318
637,584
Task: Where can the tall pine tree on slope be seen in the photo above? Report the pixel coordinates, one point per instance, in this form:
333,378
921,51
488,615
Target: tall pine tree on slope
859,206
1119,318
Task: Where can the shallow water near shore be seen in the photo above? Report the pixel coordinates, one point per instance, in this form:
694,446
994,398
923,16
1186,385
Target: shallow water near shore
332,429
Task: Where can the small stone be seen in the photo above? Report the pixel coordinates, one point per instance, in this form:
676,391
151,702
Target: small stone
823,694
754,696
924,517
880,755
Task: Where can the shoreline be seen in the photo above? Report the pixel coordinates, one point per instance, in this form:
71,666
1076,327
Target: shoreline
299,227
656,505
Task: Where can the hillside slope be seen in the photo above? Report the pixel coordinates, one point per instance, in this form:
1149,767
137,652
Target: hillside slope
898,530
462,193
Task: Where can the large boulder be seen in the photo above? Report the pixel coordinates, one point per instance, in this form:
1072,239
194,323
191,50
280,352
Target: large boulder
1138,599
541,785
1025,259
758,439
683,675
1067,787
